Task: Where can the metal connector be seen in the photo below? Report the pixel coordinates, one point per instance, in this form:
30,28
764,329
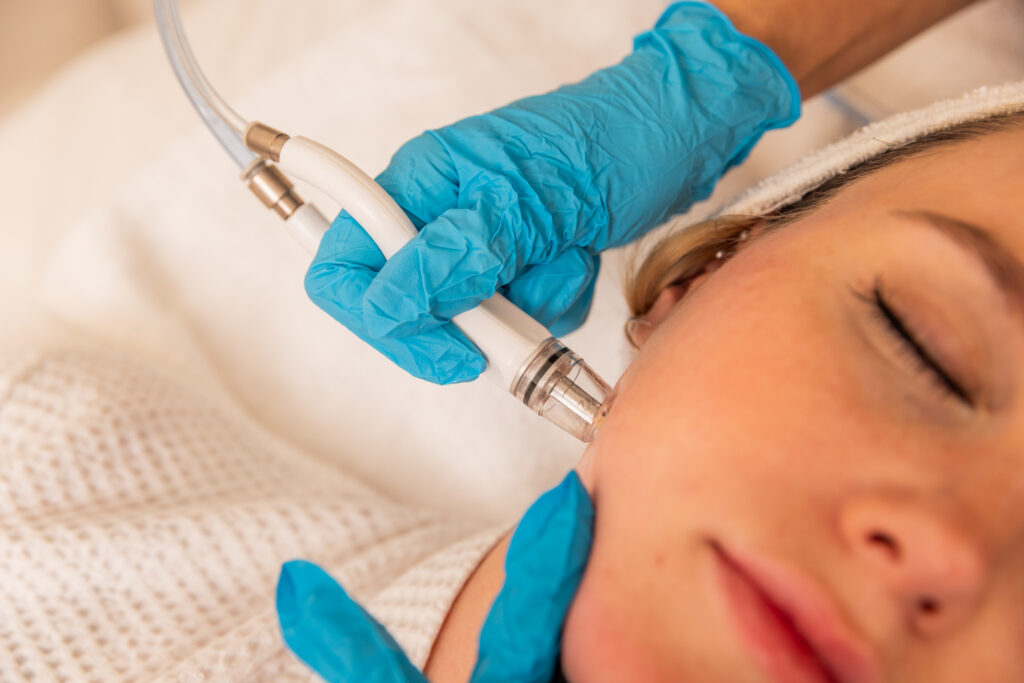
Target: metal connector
264,140
273,188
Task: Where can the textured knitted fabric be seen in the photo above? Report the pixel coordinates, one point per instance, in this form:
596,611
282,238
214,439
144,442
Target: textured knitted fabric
144,527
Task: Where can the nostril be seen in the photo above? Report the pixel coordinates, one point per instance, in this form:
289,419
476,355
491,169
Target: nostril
930,617
885,542
923,555
928,606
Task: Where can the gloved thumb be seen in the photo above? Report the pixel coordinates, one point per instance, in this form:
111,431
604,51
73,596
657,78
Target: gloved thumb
344,268
449,267
332,634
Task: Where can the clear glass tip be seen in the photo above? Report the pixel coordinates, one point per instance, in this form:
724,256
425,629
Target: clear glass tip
559,385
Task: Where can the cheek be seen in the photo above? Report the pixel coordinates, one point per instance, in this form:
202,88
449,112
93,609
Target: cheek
710,432
719,395
709,393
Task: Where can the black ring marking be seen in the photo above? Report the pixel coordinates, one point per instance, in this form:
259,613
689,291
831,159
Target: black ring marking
540,373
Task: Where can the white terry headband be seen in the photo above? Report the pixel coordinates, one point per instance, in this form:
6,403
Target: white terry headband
792,183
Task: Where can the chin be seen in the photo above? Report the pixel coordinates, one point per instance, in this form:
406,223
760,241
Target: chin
599,647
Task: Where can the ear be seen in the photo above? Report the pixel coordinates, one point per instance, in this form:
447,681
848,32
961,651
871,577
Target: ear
640,329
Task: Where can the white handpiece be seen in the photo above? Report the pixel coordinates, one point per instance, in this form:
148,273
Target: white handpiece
522,356
503,332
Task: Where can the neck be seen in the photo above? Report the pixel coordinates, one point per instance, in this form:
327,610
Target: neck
454,653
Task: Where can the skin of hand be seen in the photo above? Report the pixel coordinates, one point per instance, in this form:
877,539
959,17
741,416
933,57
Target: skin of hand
775,425
824,41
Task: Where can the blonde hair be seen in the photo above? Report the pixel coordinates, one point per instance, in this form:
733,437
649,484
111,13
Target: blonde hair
685,254
682,256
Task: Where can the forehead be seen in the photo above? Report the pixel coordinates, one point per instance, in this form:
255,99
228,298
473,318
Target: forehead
979,180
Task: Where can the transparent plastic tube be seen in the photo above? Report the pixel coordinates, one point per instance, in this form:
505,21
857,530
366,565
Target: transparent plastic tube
223,121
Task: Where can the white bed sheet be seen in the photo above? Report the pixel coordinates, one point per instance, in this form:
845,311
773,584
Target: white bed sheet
126,223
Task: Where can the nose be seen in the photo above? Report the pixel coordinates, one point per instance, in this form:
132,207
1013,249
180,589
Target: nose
921,555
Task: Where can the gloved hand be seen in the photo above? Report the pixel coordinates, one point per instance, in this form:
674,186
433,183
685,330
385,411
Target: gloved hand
521,637
523,199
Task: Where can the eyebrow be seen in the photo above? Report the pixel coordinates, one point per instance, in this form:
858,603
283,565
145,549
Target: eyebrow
1002,266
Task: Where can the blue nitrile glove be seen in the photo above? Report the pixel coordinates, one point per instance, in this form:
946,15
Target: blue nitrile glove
522,200
521,638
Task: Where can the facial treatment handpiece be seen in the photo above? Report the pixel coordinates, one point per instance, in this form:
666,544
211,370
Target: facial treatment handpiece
522,356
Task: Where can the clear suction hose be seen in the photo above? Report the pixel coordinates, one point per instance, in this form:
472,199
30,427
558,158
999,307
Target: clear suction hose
223,121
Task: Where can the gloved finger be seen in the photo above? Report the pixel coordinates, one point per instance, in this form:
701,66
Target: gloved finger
332,634
449,267
344,268
557,294
521,638
577,314
422,179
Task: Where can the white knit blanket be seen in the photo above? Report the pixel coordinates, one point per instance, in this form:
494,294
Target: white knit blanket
144,525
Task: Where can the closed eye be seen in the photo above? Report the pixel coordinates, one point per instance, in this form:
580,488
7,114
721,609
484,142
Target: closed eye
916,353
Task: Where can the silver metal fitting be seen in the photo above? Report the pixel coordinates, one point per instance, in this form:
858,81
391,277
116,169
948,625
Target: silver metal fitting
264,140
273,188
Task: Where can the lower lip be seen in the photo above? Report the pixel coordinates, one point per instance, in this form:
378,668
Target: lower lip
775,644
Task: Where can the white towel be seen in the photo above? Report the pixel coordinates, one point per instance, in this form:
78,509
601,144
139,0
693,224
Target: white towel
870,141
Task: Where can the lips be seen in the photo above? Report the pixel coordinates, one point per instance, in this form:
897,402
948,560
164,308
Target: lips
790,628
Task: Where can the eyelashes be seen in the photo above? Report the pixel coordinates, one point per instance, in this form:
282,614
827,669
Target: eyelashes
910,346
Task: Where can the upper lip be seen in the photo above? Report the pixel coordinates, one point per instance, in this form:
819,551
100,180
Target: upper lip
814,615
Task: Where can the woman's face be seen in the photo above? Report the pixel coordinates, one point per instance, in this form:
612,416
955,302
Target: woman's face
814,469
